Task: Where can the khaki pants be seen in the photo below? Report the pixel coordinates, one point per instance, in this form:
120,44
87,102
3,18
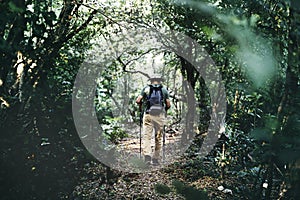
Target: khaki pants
151,122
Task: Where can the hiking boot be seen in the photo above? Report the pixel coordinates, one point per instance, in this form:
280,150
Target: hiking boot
147,159
155,161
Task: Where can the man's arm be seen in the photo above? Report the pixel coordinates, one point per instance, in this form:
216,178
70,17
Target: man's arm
168,104
166,97
139,99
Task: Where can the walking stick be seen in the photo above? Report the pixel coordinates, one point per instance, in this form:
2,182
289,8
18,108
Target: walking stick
141,121
164,136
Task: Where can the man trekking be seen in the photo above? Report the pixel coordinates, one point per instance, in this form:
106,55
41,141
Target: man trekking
156,101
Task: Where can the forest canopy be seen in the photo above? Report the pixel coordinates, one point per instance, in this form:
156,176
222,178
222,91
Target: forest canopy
111,48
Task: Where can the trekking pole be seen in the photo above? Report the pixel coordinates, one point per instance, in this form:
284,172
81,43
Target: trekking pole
164,135
141,121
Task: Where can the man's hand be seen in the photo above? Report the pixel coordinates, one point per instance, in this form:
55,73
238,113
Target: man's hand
168,104
139,99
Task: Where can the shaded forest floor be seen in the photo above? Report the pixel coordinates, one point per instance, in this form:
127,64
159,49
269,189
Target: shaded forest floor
54,172
189,177
176,181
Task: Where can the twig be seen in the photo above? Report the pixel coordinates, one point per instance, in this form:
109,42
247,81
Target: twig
125,65
278,170
83,26
102,13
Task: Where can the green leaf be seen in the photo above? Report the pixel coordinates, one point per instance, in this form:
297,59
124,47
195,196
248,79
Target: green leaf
208,31
13,8
271,122
261,134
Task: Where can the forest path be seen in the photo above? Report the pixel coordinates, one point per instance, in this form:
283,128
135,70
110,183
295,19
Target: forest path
132,142
146,185
200,177
187,168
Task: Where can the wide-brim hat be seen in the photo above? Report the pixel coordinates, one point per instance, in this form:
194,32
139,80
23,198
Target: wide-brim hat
158,79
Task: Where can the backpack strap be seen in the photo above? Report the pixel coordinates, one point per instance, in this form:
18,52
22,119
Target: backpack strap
148,97
161,94
150,92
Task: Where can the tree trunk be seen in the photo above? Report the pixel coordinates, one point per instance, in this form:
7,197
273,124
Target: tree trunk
190,74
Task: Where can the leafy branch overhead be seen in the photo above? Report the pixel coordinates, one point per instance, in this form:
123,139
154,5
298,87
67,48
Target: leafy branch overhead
125,65
254,46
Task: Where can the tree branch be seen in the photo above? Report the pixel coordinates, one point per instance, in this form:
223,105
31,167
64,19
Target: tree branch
83,26
124,65
102,13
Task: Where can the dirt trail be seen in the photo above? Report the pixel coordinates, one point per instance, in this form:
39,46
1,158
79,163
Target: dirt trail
172,146
132,143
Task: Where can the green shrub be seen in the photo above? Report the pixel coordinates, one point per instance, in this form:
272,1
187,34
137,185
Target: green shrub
162,189
189,192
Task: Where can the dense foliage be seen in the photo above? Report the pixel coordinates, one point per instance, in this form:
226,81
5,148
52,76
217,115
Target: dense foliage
254,44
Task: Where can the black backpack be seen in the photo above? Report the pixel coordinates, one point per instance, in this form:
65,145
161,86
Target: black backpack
155,100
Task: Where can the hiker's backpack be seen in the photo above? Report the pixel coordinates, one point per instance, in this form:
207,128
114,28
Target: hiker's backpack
155,100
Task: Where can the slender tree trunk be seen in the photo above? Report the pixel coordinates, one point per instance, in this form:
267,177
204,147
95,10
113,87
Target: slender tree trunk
190,73
15,36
